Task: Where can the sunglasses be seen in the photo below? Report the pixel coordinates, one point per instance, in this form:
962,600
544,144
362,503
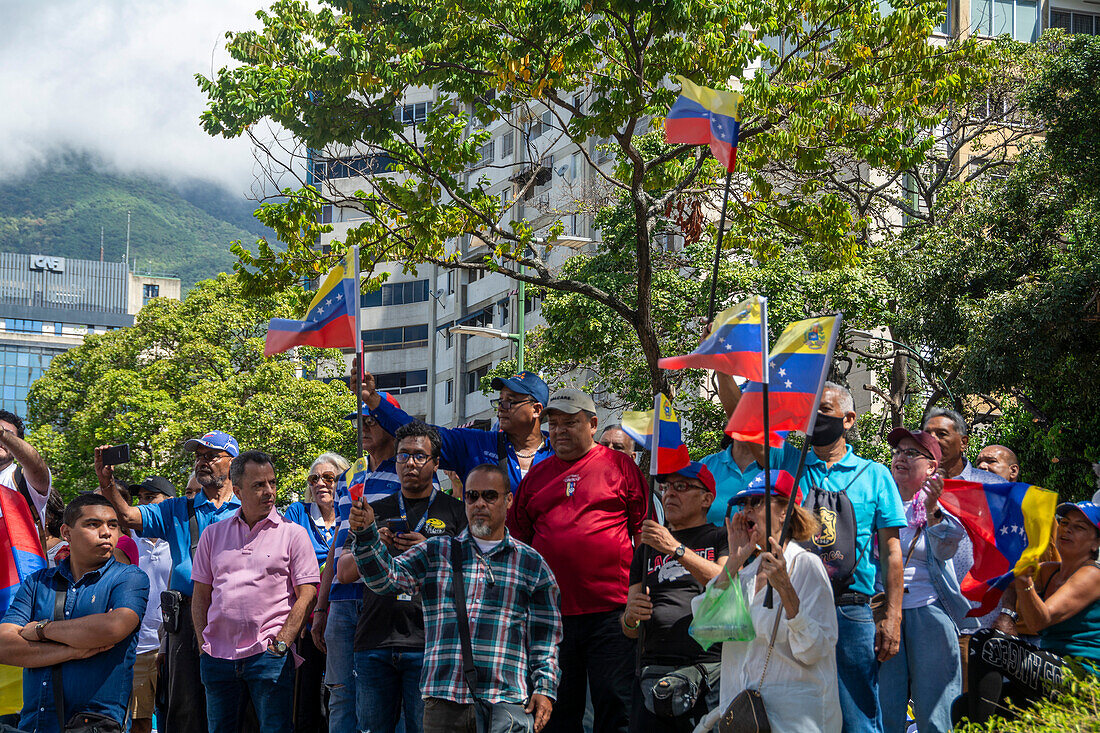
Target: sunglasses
328,478
489,495
751,502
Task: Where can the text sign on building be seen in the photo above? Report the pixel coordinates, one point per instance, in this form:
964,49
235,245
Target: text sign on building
52,264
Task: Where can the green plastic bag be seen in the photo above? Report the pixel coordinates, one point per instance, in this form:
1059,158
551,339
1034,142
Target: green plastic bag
723,615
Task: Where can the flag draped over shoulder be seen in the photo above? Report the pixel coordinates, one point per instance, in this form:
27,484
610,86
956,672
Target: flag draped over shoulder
797,369
330,318
1009,526
702,116
20,546
661,436
735,345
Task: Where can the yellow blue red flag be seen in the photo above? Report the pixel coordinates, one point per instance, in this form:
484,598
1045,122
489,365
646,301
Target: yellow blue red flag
703,116
661,437
330,318
736,343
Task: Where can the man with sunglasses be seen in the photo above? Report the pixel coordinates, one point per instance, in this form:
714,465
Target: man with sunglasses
512,606
517,446
389,638
180,521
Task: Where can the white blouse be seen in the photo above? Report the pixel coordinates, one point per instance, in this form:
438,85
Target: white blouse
800,688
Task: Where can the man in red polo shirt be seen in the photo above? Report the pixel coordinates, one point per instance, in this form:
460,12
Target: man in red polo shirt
580,508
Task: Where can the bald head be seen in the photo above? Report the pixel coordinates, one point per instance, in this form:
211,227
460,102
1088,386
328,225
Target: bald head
999,460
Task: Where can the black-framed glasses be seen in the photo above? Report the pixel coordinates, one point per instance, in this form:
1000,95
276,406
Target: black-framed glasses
328,478
911,453
489,495
417,459
367,422
505,404
752,502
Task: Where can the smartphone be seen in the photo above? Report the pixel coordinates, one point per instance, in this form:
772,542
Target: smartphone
116,454
398,526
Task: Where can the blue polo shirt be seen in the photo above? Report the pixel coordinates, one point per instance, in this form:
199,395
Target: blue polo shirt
168,521
730,479
464,449
99,684
873,494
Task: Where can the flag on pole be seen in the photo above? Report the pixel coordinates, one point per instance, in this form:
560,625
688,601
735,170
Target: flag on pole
330,320
660,437
1009,526
702,116
798,367
736,343
20,546
354,480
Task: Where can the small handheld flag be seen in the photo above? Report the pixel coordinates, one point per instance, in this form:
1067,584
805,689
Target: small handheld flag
330,318
735,344
355,478
798,367
661,437
1009,526
702,116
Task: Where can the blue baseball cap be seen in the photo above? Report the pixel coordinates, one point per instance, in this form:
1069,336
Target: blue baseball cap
217,440
1090,510
782,483
527,383
697,471
366,410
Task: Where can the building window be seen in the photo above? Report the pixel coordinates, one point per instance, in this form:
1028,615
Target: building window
449,392
22,325
473,379
531,303
403,382
484,319
1074,22
507,144
487,152
19,368
148,292
352,166
410,114
415,291
59,328
1016,18
399,337
450,282
503,313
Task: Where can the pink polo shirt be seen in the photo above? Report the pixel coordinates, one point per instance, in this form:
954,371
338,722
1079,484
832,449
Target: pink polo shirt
253,573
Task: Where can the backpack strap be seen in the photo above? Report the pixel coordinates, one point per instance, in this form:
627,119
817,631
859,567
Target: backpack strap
469,671
502,452
61,589
193,526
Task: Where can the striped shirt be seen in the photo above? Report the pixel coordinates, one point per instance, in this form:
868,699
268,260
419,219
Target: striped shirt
512,601
381,482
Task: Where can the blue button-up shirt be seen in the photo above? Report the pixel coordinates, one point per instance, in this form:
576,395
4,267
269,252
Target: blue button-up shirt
168,521
99,684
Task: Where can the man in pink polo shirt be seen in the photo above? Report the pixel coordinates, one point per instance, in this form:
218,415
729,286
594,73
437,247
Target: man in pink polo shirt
255,579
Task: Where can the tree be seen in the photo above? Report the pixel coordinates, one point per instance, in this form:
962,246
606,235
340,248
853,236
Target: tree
182,369
828,85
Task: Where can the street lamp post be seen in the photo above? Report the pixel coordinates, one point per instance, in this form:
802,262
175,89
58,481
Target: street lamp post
495,333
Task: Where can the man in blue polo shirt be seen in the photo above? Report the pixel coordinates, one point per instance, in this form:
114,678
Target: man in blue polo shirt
181,521
87,646
516,446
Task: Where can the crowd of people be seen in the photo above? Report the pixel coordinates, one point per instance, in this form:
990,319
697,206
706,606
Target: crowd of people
553,587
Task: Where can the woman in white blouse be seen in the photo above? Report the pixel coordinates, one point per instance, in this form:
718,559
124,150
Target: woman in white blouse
799,688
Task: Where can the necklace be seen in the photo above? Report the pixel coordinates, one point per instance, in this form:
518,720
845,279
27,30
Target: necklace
527,455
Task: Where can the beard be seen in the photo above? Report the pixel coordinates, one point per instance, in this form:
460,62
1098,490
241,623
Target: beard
211,480
481,530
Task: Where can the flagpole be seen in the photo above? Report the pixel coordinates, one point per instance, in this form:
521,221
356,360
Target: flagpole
353,253
767,438
718,249
651,513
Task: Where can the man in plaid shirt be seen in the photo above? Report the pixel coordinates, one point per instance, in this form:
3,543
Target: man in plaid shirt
512,600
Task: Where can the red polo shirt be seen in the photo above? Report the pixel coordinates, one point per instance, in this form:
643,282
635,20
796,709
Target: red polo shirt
581,516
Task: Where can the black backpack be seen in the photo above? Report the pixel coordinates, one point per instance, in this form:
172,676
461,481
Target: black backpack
835,543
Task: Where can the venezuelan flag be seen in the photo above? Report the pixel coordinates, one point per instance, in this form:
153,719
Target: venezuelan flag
1009,526
702,116
797,369
330,318
661,437
354,479
736,343
20,546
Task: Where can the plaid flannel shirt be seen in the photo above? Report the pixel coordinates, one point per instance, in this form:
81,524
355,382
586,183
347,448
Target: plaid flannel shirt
512,601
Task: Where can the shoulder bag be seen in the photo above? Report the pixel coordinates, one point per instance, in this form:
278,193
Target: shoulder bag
492,717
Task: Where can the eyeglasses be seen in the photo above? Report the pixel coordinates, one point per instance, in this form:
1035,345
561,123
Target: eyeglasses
210,457
911,453
489,495
417,459
682,487
328,478
367,422
498,403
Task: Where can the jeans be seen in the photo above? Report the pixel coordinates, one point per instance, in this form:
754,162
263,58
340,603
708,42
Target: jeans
265,678
926,669
596,657
340,665
857,670
387,686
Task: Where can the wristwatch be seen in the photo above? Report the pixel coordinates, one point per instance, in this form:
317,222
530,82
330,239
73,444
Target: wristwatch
280,647
679,552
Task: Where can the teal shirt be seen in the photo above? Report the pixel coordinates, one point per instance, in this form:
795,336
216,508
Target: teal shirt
729,479
1077,636
873,494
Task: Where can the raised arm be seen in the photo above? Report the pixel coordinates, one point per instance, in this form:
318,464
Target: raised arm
34,468
128,515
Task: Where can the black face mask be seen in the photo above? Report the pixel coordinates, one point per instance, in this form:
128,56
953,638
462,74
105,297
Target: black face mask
827,430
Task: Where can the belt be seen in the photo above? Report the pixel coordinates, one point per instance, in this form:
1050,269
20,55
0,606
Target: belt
852,599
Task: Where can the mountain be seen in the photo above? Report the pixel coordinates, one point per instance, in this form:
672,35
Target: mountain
181,229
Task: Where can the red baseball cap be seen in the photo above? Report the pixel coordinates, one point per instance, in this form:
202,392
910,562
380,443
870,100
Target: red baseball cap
698,472
925,440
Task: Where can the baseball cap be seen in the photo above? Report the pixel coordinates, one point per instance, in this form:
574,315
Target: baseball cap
696,471
1090,510
570,401
925,440
155,483
217,440
366,410
527,383
782,483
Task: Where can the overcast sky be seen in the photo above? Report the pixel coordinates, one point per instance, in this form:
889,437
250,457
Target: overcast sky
116,77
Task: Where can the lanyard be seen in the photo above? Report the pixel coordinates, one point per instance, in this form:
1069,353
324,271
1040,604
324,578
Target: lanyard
424,517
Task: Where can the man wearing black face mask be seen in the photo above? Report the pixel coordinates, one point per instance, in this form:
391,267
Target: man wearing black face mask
878,509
